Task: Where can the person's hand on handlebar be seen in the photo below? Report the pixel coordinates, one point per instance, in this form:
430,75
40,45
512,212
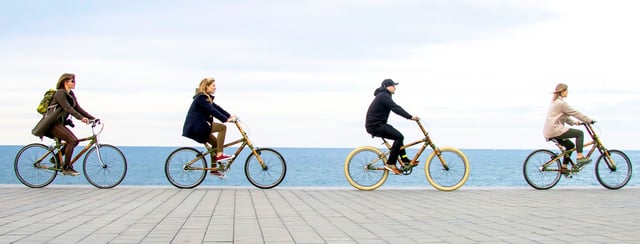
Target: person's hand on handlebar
232,119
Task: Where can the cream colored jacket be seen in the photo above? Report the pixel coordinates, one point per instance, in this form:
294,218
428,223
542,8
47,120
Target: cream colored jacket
559,114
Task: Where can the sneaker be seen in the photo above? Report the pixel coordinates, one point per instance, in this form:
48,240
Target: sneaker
392,168
223,157
583,162
68,170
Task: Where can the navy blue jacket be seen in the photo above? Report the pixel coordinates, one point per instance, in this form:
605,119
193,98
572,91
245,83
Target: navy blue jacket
380,108
197,125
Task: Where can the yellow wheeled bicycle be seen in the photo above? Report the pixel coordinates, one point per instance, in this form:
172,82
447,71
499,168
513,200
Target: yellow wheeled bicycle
446,168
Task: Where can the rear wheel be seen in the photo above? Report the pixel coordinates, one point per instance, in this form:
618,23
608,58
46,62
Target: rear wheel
32,168
539,176
453,176
364,168
613,177
180,173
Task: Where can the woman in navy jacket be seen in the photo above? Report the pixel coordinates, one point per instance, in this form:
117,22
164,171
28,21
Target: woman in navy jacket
199,124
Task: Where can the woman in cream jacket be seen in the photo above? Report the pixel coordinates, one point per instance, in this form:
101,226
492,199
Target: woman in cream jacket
559,114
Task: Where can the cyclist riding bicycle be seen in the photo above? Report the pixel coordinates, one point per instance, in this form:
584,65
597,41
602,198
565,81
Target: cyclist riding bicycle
54,121
559,114
199,124
376,123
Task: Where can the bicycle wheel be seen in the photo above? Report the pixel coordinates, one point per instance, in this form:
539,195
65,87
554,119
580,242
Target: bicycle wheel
364,168
104,166
269,177
31,172
447,179
613,178
182,175
535,175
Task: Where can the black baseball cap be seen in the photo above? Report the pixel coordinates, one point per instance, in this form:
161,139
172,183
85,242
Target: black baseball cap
389,82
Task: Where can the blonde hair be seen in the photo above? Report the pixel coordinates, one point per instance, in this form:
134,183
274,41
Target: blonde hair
560,87
202,88
63,78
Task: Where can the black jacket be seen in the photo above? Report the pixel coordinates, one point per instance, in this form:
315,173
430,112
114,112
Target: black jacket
381,106
197,125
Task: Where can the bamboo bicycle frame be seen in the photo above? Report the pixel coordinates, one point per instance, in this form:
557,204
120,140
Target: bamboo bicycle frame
596,143
245,142
426,142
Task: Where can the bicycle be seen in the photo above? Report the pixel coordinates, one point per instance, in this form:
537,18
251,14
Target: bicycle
446,168
542,168
37,165
265,168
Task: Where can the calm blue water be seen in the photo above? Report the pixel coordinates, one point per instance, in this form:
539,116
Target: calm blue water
321,167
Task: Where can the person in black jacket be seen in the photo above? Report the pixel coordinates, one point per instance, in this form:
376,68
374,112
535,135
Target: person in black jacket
376,122
199,124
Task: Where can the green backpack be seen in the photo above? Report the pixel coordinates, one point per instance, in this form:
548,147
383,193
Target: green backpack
46,100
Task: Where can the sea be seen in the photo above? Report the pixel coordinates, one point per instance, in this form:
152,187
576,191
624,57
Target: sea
323,167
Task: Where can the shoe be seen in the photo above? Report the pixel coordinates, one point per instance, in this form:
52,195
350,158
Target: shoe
216,173
583,162
68,170
223,157
392,168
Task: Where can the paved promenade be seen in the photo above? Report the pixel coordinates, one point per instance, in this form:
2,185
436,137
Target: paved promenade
133,214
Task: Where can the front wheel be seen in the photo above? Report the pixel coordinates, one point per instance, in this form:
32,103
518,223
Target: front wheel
364,168
540,171
32,168
613,176
104,166
182,168
451,177
271,174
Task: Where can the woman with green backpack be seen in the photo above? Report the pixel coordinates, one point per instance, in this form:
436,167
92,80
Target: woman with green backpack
54,121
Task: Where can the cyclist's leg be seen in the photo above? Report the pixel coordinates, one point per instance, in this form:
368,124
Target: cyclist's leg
63,133
568,145
579,135
388,132
218,141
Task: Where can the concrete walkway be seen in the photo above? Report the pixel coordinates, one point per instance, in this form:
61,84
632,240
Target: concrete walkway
126,214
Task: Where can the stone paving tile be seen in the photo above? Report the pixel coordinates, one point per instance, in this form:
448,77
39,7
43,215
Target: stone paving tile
138,214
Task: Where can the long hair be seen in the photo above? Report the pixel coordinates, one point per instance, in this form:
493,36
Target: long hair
202,88
559,89
63,78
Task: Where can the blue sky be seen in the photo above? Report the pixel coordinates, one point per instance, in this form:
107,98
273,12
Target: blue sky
302,73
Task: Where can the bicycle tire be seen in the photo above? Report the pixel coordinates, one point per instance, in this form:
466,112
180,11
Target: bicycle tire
447,179
363,168
269,177
26,170
533,173
614,179
177,173
107,173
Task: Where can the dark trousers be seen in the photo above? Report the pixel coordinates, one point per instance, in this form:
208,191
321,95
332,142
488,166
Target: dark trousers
568,145
63,133
388,132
